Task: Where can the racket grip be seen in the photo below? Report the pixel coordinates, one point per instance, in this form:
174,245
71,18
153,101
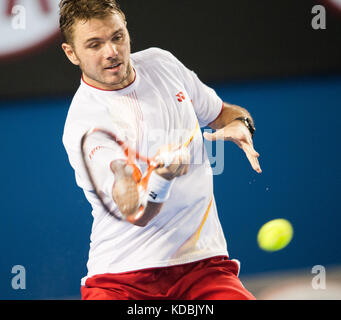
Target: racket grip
166,158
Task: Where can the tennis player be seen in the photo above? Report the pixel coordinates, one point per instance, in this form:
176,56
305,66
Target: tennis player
176,248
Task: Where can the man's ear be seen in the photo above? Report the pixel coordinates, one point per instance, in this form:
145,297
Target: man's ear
70,53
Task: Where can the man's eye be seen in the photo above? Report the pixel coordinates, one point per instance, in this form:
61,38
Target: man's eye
95,45
118,37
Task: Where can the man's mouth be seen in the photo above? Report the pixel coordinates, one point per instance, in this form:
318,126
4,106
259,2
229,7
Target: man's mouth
114,67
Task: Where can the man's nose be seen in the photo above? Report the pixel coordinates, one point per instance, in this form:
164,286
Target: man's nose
110,51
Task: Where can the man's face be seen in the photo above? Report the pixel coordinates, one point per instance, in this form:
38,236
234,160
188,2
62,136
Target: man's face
101,48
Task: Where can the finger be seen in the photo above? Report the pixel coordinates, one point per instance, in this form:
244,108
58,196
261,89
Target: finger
256,154
209,136
184,159
180,171
253,159
174,165
181,165
186,167
255,164
185,155
249,147
252,156
251,151
217,135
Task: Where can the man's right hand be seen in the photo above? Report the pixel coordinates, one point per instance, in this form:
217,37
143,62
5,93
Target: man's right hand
126,195
125,192
179,164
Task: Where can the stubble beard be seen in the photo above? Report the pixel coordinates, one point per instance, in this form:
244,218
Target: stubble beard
101,80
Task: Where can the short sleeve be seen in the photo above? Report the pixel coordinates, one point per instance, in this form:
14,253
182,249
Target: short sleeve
207,104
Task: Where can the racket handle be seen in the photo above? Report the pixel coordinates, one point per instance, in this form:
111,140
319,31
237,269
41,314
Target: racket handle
166,158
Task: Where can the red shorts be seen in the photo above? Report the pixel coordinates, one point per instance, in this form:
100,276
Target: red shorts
210,279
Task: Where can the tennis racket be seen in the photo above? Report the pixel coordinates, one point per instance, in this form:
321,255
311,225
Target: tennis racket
159,160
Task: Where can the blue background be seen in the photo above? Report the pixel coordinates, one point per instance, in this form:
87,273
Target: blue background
46,220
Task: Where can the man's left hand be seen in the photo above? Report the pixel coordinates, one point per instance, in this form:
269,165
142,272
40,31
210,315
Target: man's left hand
237,132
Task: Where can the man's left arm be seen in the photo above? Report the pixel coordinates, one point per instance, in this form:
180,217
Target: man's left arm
235,124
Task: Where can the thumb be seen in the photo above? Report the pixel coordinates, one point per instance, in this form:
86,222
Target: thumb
210,136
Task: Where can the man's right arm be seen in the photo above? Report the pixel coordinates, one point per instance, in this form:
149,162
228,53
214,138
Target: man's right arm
125,190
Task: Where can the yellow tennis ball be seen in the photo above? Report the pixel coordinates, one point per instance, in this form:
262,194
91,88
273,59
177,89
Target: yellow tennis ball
275,235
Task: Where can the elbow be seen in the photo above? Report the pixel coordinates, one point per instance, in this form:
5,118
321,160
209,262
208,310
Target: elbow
141,223
142,219
138,222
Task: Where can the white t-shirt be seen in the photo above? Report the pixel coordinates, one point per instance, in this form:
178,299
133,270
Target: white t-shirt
165,102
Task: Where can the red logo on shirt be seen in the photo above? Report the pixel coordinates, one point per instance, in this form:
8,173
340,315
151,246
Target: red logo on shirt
181,96
91,154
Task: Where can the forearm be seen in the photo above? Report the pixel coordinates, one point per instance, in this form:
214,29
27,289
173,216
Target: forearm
127,198
134,204
138,203
229,113
158,192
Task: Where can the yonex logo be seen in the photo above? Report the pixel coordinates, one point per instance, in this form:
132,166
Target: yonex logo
181,96
153,194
